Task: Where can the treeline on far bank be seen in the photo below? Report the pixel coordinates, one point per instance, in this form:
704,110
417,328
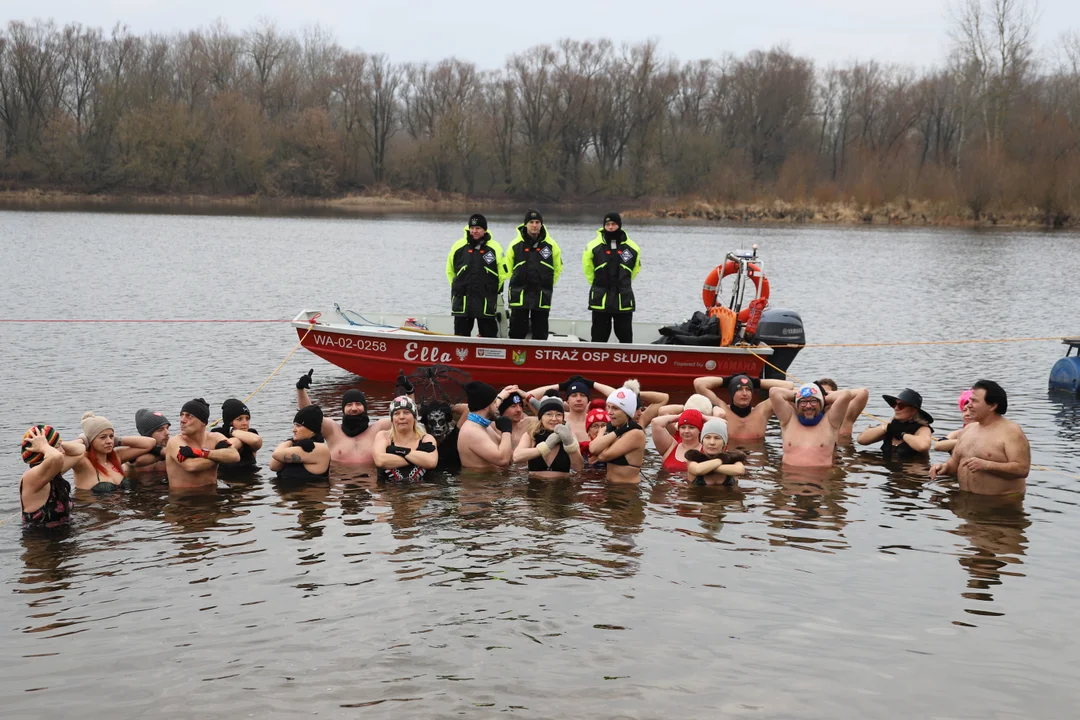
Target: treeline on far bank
218,112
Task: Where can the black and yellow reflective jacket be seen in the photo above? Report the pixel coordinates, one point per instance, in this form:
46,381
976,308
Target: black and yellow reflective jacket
475,272
533,269
609,272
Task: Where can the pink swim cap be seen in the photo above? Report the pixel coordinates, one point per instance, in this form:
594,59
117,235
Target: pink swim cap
964,398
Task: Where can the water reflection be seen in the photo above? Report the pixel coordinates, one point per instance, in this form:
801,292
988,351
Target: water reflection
994,528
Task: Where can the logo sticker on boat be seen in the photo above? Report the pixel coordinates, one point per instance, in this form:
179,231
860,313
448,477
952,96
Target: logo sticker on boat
710,365
490,353
518,356
462,353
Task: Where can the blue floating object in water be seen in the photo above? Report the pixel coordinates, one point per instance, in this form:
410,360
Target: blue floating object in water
1065,374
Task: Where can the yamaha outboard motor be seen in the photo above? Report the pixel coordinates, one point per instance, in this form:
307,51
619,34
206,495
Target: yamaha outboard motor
780,327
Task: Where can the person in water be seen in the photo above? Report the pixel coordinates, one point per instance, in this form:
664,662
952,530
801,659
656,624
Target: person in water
595,422
908,434
611,261
746,421
550,449
948,443
512,405
350,441
685,426
404,453
533,264
484,440
151,424
442,420
44,494
993,456
236,426
712,464
306,457
809,423
193,456
858,403
622,444
577,391
476,273
101,468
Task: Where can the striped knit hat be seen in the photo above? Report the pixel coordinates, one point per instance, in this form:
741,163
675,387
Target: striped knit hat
32,458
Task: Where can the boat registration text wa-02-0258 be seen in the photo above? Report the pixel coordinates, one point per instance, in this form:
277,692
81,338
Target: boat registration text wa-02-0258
346,342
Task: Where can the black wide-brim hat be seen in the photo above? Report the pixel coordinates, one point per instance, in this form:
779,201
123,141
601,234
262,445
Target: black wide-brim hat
912,398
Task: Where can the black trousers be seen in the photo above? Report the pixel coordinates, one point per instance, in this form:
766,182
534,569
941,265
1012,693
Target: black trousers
602,322
488,326
519,323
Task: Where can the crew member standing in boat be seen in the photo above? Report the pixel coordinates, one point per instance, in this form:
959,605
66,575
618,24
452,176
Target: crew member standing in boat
476,273
533,263
611,262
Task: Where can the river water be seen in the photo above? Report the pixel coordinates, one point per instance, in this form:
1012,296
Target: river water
871,594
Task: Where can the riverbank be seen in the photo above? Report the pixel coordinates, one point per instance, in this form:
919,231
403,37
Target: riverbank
916,213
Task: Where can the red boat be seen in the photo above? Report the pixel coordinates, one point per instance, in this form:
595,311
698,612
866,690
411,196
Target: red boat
378,346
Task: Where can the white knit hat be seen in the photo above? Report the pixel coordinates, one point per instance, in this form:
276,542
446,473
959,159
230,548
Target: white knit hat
715,426
625,399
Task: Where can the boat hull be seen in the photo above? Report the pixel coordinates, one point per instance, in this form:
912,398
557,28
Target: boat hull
379,353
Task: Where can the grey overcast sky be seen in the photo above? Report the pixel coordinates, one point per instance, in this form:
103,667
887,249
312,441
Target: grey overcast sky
486,32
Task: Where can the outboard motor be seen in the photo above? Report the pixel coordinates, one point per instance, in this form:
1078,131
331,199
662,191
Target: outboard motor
780,327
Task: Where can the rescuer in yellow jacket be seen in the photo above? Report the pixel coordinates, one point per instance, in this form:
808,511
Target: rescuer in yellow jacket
474,269
611,262
533,262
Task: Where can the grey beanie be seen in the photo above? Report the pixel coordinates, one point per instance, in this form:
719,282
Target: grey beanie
147,421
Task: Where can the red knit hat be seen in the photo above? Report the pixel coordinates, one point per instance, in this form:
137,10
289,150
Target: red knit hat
691,417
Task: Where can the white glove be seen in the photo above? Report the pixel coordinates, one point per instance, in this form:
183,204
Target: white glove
566,435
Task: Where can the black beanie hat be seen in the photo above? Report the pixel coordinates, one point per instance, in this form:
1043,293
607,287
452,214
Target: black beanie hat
310,417
533,215
198,409
511,399
478,220
232,409
352,396
550,403
480,395
613,217
147,421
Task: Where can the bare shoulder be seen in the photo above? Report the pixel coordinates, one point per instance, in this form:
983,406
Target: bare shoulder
1014,431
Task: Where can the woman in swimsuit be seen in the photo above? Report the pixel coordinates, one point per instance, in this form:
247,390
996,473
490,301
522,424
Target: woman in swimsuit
909,434
949,441
236,427
403,453
549,446
688,425
43,488
712,464
622,444
305,458
101,469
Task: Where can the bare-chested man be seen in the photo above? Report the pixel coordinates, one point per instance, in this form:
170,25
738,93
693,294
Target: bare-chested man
745,420
484,441
350,440
809,429
512,405
151,424
192,457
993,456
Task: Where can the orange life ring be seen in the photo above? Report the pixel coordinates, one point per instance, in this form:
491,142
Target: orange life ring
712,284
